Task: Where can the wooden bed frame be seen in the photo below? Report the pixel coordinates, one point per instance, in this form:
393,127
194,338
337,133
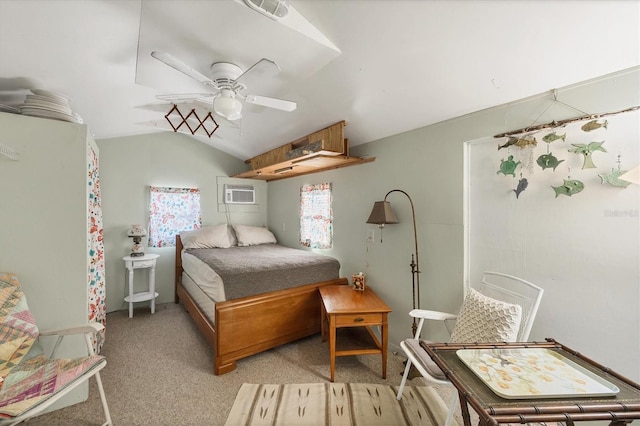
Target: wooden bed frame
253,324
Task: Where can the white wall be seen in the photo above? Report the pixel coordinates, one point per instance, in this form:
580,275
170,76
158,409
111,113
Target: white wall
427,163
128,167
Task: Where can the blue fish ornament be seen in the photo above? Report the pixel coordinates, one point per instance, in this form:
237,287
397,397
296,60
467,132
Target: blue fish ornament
522,185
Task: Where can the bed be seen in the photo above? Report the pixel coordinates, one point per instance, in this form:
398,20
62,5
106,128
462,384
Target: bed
237,324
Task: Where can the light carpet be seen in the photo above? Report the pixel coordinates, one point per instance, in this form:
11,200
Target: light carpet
336,404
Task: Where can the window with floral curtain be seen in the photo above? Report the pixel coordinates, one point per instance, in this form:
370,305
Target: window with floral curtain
316,216
171,211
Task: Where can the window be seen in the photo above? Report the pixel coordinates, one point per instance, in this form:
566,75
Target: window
171,211
316,216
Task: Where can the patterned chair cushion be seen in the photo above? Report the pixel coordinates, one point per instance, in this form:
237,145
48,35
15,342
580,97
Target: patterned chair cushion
27,376
483,319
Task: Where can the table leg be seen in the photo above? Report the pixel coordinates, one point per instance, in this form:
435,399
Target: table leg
152,287
332,345
385,342
131,293
323,325
465,410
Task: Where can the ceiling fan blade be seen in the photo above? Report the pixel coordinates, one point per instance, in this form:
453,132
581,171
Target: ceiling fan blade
264,68
183,68
270,102
184,96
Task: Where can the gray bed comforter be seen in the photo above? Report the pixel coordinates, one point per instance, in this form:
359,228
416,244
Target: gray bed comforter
247,271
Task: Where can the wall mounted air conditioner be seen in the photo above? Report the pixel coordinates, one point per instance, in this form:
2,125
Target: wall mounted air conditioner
239,194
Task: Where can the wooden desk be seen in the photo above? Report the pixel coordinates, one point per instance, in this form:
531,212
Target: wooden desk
343,307
620,409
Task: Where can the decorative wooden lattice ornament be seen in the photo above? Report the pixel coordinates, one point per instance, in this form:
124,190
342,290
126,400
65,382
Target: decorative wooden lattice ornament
208,124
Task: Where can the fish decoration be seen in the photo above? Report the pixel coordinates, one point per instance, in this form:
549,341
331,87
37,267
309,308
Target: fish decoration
525,142
554,137
522,185
568,188
508,166
612,178
594,125
587,150
508,143
548,161
519,142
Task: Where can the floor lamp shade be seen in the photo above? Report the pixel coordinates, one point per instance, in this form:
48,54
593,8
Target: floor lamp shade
381,214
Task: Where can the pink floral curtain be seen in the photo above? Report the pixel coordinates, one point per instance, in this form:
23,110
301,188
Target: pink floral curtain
316,216
96,268
171,211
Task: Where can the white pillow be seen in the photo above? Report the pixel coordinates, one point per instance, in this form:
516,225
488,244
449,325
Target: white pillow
483,319
218,236
253,235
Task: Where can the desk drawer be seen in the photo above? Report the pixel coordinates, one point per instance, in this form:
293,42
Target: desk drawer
358,319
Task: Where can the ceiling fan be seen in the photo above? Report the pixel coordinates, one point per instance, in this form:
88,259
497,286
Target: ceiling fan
226,85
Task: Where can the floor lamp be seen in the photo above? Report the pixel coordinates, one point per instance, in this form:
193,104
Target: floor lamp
381,215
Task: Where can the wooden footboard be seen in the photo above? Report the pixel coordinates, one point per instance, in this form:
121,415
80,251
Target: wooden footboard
250,325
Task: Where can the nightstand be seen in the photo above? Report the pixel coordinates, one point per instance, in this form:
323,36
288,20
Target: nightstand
139,262
355,311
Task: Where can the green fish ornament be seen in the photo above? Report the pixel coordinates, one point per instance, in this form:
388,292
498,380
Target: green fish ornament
554,137
587,150
508,166
612,178
548,161
568,188
593,125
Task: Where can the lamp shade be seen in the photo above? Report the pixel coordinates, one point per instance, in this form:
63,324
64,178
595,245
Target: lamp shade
228,107
137,231
382,214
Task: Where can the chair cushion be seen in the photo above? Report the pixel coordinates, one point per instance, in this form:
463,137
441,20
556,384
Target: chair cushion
27,376
483,319
33,382
425,360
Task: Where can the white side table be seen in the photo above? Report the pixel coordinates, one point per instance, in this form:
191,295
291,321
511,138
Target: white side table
139,262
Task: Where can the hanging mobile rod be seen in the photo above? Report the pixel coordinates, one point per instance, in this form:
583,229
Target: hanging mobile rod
8,152
554,123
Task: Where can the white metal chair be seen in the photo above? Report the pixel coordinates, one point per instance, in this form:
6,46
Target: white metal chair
506,291
30,381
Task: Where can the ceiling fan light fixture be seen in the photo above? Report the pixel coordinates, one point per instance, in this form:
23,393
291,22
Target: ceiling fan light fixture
274,9
228,107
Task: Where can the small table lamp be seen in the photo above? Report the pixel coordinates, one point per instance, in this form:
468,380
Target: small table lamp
137,232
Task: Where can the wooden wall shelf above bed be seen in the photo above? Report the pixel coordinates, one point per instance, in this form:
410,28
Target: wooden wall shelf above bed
323,150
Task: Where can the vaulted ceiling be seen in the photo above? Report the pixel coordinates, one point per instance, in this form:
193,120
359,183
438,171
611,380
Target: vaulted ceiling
383,66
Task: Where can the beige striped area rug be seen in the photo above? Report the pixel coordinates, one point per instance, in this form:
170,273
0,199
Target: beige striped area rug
336,404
